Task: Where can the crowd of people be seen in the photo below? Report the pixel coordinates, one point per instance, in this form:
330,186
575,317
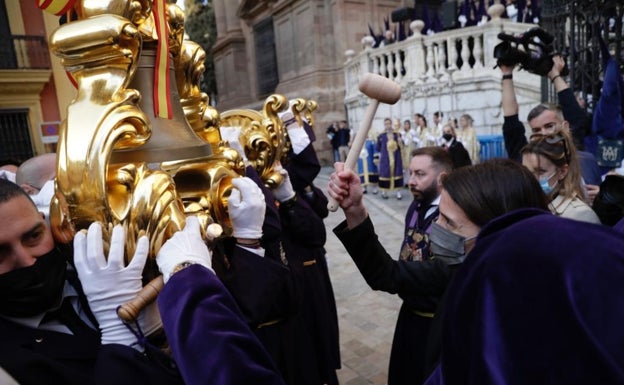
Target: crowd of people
510,270
383,164
500,271
257,307
468,13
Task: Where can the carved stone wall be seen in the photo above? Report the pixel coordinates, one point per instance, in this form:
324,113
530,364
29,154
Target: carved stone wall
311,37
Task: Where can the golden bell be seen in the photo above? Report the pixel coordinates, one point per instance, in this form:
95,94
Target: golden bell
171,139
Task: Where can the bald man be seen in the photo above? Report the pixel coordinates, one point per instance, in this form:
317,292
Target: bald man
35,172
36,177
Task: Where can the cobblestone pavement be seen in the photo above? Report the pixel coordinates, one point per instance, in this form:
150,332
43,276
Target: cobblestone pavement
366,317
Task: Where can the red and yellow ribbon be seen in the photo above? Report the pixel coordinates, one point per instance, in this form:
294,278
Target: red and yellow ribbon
56,7
162,99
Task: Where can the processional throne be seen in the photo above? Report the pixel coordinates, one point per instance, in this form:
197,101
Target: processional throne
141,145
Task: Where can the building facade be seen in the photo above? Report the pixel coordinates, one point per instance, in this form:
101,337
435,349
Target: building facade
292,47
33,85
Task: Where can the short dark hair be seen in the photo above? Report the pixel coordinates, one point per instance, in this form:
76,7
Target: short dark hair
10,162
540,108
490,189
10,190
439,157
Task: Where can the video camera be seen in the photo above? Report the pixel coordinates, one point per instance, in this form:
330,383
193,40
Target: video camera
533,50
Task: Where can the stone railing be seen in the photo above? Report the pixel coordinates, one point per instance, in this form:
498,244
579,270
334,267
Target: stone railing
451,71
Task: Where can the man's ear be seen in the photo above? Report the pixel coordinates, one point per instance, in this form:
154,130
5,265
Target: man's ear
441,177
30,190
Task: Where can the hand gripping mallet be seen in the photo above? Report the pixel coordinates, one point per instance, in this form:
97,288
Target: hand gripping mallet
379,89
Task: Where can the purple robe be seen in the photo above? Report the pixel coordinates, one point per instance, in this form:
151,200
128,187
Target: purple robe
537,301
390,162
208,336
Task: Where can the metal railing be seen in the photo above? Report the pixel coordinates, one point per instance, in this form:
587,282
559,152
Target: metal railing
24,52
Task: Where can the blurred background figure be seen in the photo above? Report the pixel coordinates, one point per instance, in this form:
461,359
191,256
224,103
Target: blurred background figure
390,162
467,135
331,135
411,141
456,150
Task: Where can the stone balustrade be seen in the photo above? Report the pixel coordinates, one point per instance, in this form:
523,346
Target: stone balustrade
451,71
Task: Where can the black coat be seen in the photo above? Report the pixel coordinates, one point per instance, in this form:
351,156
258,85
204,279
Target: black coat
459,154
419,284
40,357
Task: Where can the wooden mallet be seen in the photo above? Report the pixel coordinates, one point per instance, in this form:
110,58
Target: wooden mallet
380,90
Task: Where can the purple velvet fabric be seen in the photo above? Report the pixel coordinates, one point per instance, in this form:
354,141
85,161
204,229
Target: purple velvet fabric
209,338
538,301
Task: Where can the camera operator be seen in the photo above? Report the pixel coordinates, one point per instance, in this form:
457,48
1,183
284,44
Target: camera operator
546,118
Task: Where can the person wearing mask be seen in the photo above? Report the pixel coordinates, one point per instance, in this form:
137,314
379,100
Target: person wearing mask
469,198
552,160
56,330
546,118
455,148
534,305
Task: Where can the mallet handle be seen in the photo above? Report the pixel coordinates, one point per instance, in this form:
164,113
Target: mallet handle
129,311
357,145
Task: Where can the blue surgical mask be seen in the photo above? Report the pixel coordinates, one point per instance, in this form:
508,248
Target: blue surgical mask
545,185
447,245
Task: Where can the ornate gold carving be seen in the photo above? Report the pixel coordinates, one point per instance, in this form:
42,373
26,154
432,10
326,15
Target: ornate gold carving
109,169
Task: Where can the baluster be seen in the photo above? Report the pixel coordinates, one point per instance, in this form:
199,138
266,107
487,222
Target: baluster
465,55
429,47
477,52
390,66
376,67
442,58
398,65
452,52
382,64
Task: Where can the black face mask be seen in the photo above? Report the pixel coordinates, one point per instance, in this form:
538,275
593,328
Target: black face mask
32,290
447,137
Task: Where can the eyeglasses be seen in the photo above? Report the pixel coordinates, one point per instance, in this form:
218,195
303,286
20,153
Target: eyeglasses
552,139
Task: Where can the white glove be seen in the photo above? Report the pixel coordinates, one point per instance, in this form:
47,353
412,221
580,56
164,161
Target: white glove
231,135
284,191
186,245
246,207
299,138
8,175
44,197
108,284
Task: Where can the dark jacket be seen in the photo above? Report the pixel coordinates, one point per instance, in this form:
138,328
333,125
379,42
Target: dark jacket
419,284
39,357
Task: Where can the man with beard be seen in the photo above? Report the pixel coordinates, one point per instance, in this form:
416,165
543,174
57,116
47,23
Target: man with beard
418,279
470,197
